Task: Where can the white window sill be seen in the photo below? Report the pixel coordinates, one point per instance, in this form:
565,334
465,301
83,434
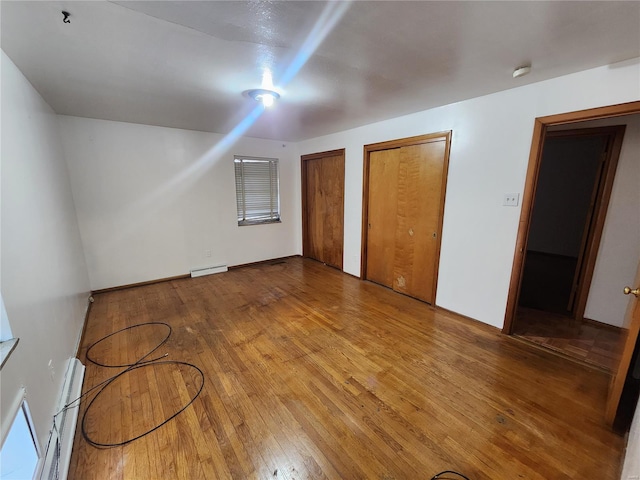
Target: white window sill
245,223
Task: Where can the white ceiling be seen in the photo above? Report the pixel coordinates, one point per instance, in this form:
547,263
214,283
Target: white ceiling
186,64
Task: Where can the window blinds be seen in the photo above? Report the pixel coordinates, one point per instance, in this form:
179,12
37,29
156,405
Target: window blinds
257,196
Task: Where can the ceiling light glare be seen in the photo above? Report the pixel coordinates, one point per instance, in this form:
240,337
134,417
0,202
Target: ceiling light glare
266,97
267,79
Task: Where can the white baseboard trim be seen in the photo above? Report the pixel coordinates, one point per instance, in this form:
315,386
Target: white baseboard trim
200,272
57,457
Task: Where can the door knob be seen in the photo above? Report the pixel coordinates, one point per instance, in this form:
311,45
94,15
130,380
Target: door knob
634,291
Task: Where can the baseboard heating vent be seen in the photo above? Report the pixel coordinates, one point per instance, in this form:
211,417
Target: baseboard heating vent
58,454
201,272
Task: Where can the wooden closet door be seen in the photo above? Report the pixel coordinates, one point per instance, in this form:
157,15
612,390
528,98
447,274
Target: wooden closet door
419,188
383,207
404,214
324,208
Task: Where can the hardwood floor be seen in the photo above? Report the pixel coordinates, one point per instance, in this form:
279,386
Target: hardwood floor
311,373
586,341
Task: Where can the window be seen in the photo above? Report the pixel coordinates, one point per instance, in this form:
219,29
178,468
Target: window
5,326
257,193
19,454
7,342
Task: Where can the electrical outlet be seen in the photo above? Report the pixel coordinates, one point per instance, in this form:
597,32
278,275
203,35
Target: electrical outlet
207,253
511,199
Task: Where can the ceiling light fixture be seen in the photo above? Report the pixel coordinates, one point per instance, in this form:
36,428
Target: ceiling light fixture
521,71
266,97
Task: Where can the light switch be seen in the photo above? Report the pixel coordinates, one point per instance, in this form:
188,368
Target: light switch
511,199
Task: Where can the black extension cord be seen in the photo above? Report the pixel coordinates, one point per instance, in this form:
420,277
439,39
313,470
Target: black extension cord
439,475
151,363
95,362
140,363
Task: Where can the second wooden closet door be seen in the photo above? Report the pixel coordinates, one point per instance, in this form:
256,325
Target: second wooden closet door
404,205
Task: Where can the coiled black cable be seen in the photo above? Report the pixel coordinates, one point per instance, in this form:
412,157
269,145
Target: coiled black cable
439,475
96,443
141,362
95,362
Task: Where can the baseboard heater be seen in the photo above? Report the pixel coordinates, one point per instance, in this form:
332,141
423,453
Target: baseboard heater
58,454
201,272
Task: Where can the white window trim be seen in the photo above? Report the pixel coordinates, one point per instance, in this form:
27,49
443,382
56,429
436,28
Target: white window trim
20,407
7,342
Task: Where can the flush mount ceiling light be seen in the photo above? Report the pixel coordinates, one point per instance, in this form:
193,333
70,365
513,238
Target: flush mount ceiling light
521,71
264,96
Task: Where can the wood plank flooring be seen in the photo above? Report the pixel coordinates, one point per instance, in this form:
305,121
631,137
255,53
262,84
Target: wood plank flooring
314,374
543,318
587,341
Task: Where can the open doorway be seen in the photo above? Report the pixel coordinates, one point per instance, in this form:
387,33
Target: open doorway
563,222
563,262
576,169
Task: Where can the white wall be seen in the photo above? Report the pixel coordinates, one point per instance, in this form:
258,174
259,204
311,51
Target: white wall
489,156
45,286
151,200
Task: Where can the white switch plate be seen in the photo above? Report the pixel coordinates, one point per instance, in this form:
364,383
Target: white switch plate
511,199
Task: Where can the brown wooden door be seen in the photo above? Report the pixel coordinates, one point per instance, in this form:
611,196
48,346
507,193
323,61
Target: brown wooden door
404,214
383,216
323,207
420,185
632,328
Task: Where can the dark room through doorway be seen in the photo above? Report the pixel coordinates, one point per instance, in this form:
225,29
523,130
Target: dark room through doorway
565,228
